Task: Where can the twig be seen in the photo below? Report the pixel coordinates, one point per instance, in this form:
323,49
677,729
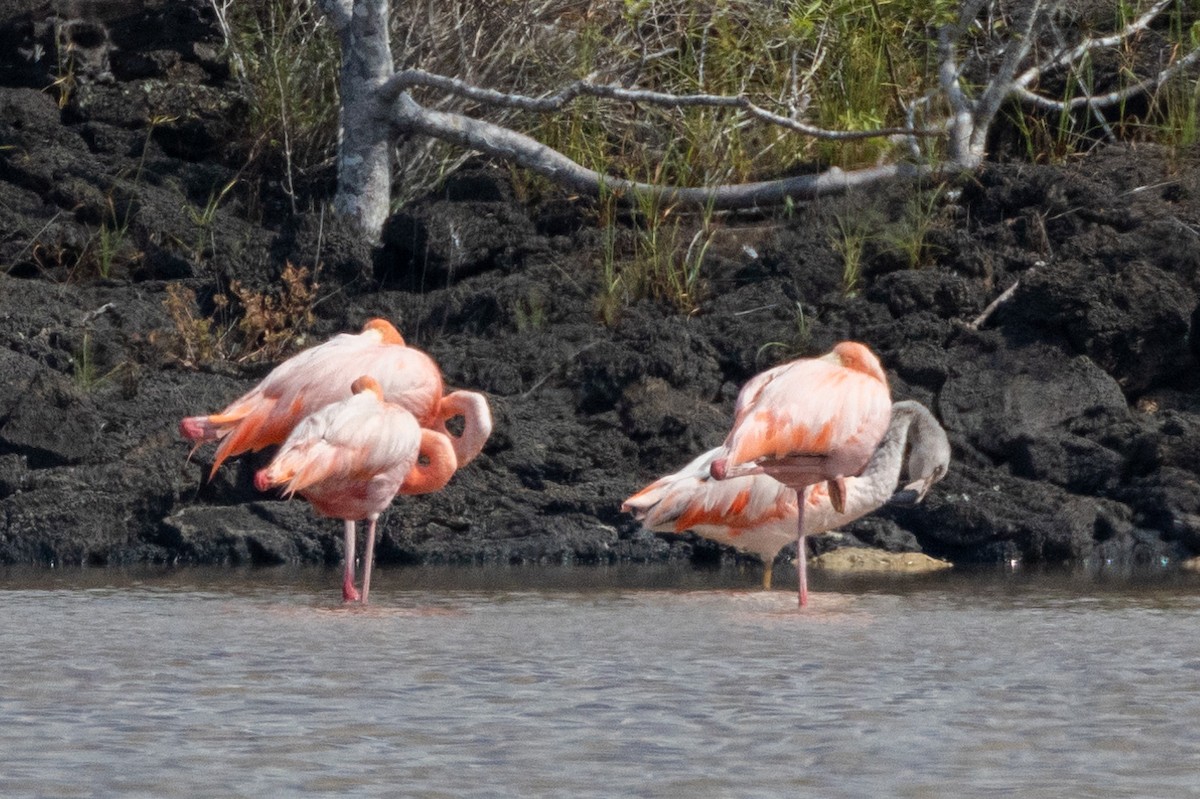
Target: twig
542,381
1004,297
1112,98
1070,56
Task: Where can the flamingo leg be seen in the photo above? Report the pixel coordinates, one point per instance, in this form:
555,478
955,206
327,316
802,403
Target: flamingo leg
802,569
369,556
767,566
349,592
801,549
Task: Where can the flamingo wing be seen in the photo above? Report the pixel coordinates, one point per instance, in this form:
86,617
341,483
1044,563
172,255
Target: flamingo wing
319,377
719,509
810,408
354,440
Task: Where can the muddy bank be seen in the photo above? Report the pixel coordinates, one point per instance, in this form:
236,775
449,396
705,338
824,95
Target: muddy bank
1073,408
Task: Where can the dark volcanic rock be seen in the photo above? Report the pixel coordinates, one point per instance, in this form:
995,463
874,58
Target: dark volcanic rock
1131,320
434,245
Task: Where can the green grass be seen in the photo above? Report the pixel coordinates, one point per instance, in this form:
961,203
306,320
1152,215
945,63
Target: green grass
84,370
853,233
529,313
908,237
774,352
285,58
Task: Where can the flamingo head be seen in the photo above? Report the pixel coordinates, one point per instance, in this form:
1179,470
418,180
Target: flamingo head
262,481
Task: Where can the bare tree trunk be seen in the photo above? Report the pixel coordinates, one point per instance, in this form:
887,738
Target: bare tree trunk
365,138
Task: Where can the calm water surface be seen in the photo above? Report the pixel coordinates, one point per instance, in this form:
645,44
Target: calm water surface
595,683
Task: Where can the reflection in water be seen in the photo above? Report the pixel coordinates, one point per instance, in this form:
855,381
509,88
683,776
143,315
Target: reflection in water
595,682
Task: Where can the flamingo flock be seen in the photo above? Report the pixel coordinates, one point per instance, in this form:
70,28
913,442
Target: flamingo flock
362,418
354,416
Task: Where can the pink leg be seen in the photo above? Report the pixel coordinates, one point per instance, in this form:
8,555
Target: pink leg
368,557
801,549
802,569
349,592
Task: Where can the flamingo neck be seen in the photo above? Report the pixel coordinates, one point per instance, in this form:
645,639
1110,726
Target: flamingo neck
878,480
477,423
367,383
436,464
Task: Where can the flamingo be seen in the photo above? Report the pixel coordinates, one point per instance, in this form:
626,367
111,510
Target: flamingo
322,375
810,421
350,460
758,514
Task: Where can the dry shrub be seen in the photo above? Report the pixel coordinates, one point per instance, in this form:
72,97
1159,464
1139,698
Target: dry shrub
193,340
270,324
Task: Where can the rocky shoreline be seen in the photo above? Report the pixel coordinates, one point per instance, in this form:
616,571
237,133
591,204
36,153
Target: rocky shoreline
1073,406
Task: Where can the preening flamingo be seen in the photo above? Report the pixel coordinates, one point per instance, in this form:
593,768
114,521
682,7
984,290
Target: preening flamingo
351,458
810,421
322,375
758,514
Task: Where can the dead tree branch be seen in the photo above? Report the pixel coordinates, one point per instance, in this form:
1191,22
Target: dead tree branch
509,145
379,106
411,78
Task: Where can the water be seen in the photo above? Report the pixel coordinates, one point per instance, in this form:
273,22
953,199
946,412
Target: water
595,683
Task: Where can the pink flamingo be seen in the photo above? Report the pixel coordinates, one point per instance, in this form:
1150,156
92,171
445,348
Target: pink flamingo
322,375
758,514
810,421
350,460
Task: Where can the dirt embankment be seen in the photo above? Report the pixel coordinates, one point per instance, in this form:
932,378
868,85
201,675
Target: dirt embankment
1073,409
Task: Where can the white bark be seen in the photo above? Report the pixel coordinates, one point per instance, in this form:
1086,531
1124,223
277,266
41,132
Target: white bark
365,138
509,145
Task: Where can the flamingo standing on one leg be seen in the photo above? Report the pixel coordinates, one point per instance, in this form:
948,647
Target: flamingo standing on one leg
322,375
351,458
810,421
758,514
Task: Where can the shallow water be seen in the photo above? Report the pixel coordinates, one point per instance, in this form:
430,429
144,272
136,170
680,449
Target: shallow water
595,682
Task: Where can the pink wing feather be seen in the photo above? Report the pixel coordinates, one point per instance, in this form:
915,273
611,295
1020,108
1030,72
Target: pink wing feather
812,407
754,513
316,378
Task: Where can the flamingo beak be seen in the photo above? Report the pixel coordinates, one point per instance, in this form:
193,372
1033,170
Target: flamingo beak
912,493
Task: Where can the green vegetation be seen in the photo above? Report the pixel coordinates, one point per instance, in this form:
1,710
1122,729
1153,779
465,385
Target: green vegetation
908,237
286,60
849,241
86,372
838,64
848,64
529,313
204,219
774,352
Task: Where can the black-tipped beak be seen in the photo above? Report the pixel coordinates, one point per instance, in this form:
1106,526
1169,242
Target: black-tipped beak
912,493
905,497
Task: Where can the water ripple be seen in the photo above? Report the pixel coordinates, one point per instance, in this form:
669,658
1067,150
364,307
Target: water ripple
165,690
